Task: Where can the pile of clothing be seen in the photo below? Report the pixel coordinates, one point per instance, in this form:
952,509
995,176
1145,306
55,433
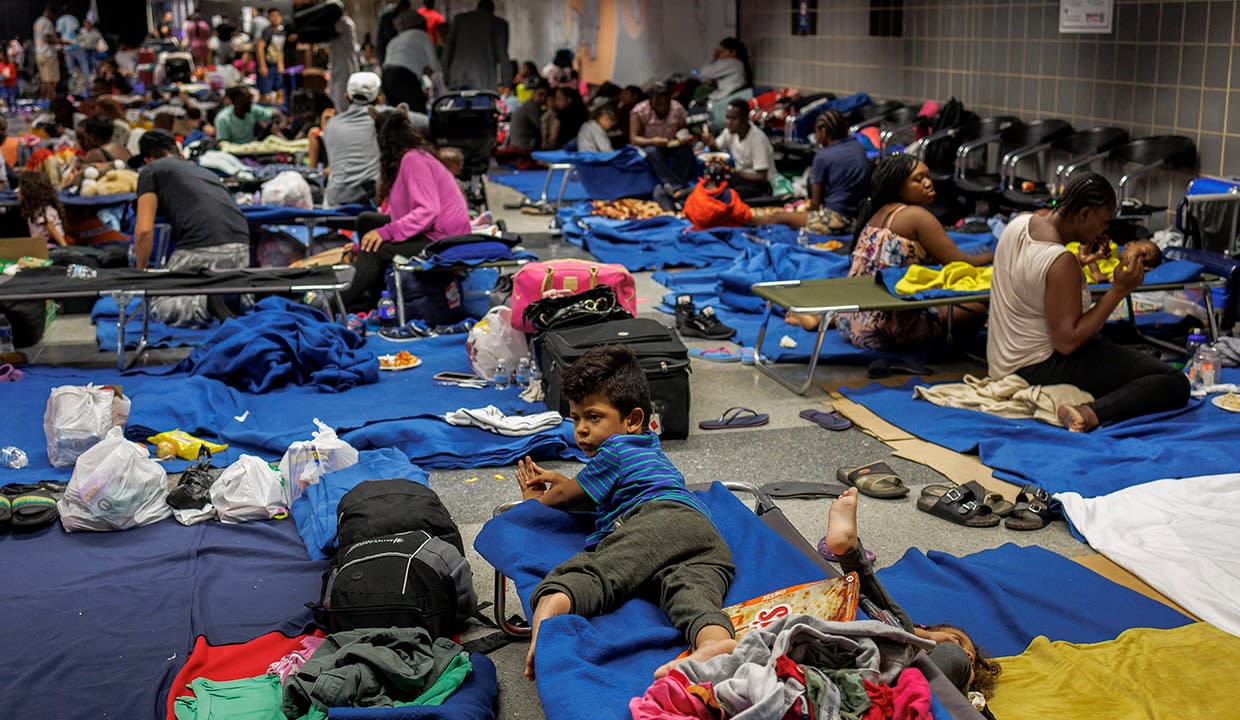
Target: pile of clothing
798,667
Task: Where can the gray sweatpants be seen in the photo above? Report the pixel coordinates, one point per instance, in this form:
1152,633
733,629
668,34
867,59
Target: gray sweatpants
666,551
191,310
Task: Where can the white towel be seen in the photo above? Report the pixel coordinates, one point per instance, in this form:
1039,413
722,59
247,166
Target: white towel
1009,397
493,419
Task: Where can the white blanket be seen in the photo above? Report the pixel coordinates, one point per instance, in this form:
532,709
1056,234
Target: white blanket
1180,536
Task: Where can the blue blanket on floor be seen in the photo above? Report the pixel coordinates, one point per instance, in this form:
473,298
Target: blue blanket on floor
315,510
1198,439
622,173
999,596
283,343
530,184
159,335
591,668
1173,271
118,612
474,700
408,404
1005,597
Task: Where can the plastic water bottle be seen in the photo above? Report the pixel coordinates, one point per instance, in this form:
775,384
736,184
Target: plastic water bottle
81,272
387,310
803,237
523,373
6,335
13,457
501,375
535,372
1195,340
1204,369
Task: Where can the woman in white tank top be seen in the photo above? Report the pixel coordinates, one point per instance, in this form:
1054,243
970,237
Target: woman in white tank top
1043,328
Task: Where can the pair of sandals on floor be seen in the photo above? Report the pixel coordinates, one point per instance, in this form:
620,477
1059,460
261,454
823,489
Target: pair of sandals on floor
29,507
970,504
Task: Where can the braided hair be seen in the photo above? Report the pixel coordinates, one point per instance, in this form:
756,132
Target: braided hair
885,185
833,123
1084,192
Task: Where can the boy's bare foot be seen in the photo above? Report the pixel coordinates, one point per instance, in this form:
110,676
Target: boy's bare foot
842,523
712,640
549,605
809,322
1077,418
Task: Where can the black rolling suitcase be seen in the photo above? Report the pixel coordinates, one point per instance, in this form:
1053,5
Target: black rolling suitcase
662,355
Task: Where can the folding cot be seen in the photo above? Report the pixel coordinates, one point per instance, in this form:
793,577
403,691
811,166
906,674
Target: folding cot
829,297
759,548
124,284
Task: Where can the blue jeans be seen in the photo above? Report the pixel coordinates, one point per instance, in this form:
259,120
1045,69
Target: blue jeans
10,97
77,62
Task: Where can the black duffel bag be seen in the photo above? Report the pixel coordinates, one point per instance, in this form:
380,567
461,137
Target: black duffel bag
593,306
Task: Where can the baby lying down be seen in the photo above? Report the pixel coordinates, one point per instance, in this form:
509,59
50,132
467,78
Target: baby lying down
1099,265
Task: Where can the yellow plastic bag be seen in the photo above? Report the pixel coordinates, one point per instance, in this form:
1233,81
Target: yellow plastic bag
178,443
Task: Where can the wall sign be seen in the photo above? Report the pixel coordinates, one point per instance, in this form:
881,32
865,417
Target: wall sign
804,17
1095,17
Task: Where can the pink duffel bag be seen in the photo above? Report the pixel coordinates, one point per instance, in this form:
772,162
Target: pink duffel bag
536,280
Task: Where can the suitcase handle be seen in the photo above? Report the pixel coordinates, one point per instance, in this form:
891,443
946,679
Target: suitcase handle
549,276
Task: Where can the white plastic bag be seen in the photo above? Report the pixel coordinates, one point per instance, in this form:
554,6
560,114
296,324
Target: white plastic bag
289,189
306,461
115,486
493,338
78,417
248,490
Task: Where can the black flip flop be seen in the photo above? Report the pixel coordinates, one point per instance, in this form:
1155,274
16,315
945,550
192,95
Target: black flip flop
736,417
827,420
802,490
35,507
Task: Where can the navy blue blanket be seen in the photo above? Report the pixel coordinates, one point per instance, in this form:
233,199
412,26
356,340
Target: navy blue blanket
530,184
108,619
1199,439
283,343
104,316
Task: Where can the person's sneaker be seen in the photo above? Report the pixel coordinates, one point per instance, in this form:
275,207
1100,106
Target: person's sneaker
685,310
706,325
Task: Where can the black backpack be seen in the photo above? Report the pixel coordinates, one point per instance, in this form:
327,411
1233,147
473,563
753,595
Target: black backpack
387,507
942,154
401,562
411,579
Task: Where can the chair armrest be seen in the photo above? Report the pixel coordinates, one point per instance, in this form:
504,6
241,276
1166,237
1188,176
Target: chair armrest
1007,166
1132,175
963,151
885,136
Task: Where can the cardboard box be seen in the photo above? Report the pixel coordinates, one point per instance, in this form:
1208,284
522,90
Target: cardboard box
17,248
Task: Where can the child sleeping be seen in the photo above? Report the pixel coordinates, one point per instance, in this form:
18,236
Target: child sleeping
651,533
1099,263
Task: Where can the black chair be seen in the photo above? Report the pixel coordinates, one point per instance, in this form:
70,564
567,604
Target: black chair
1082,148
1016,139
1165,152
871,114
939,150
901,123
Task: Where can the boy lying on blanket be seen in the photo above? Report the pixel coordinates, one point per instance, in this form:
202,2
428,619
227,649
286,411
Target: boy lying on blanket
651,533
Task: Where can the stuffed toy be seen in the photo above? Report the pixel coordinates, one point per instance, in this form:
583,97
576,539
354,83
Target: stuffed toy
111,183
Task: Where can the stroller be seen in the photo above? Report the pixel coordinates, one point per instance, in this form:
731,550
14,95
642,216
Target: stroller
469,121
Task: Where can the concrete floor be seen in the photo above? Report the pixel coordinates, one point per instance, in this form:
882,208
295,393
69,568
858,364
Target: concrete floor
788,448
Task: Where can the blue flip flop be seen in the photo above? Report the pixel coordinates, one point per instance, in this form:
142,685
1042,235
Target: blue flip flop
827,420
736,417
721,354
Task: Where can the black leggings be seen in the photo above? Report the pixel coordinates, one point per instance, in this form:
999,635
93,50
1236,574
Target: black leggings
1124,382
369,267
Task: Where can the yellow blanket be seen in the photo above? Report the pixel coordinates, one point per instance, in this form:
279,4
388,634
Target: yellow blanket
1106,265
1179,673
959,276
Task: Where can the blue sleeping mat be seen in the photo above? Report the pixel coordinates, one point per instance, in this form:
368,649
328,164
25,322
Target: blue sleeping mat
1198,439
276,214
622,173
999,596
530,184
1007,596
100,623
